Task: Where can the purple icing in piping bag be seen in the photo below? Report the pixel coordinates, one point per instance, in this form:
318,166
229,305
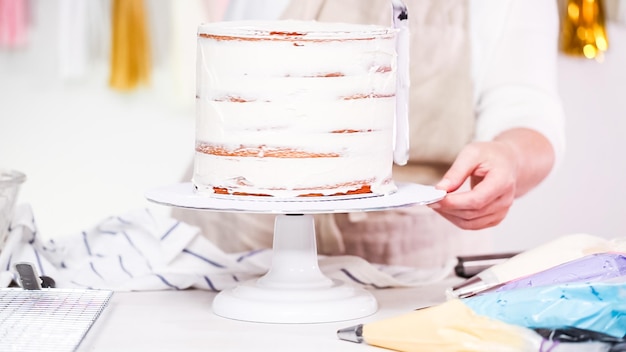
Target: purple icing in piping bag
592,268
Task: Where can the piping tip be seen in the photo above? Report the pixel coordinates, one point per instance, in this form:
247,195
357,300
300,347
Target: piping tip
352,334
470,287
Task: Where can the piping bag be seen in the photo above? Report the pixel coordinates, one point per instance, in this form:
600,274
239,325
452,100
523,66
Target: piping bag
451,326
556,252
581,301
592,268
599,306
507,321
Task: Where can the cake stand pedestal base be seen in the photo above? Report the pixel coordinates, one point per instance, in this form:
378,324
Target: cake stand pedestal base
294,290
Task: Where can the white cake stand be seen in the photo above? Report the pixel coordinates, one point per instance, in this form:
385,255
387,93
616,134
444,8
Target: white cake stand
294,290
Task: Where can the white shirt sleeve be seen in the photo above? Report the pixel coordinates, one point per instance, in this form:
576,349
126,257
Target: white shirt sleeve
515,50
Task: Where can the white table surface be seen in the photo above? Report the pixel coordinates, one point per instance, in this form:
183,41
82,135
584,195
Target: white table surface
184,321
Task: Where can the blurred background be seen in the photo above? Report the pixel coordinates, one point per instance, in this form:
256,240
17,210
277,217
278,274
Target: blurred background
93,131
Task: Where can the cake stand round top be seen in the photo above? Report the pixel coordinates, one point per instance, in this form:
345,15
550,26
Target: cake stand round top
183,195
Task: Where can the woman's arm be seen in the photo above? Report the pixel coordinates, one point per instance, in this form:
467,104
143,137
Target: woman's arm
520,128
499,171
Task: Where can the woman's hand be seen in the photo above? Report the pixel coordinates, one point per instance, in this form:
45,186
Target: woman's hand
499,171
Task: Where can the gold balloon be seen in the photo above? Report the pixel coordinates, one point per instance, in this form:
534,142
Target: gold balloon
583,29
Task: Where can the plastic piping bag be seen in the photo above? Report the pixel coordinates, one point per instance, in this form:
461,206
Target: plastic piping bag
597,307
592,268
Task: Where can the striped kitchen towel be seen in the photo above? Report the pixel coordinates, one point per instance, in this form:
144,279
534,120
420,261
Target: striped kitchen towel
139,250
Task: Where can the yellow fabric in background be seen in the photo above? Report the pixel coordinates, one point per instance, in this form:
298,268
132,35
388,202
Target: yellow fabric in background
130,47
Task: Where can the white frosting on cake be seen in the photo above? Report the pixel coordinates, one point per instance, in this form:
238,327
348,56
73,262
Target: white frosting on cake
290,108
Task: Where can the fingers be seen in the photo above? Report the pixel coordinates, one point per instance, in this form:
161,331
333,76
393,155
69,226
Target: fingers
485,205
487,192
478,217
479,223
463,167
492,171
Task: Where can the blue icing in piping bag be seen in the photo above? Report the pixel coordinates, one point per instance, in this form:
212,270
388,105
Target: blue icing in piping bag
598,307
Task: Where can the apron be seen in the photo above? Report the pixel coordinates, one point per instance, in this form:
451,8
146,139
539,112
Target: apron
441,123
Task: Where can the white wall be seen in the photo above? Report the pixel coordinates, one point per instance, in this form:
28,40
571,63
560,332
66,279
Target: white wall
588,191
90,152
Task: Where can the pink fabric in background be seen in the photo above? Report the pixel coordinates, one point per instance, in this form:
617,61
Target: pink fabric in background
214,9
13,23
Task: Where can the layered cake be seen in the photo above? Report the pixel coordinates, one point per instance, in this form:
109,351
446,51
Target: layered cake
294,108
